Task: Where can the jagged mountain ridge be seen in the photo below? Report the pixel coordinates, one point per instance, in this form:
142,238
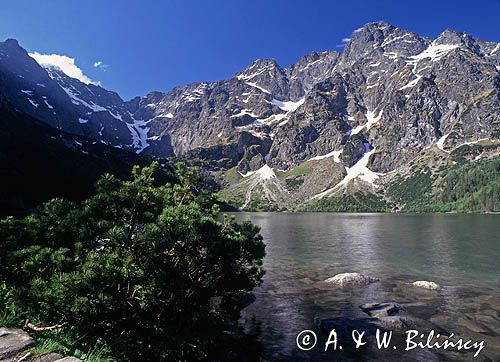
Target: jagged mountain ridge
356,116
38,162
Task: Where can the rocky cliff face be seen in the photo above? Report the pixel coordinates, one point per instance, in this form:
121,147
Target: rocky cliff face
326,125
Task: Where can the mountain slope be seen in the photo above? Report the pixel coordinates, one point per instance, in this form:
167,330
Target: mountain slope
392,96
65,103
331,126
38,162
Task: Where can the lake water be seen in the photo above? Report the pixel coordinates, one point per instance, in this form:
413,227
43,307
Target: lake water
459,252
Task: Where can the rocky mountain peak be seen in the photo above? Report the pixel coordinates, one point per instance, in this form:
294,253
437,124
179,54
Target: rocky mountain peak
451,37
377,27
374,39
373,33
267,76
310,69
11,48
328,120
258,69
261,63
11,44
459,39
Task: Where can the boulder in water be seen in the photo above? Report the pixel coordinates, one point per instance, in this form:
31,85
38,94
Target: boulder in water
426,285
395,323
382,309
344,326
350,279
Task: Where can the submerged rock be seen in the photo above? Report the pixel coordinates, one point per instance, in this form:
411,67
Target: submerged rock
344,326
387,315
350,279
395,322
426,285
382,309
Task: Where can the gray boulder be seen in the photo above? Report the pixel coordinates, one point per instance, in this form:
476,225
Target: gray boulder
351,279
13,342
426,285
49,357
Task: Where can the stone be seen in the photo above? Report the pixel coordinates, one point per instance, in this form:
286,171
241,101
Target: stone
49,357
382,309
69,359
426,285
13,342
395,322
351,279
344,326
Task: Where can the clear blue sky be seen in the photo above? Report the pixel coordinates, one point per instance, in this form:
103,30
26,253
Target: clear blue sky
156,45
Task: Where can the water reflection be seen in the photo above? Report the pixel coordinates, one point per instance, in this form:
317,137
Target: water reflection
460,252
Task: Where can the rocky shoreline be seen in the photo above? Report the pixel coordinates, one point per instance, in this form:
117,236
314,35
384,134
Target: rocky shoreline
18,346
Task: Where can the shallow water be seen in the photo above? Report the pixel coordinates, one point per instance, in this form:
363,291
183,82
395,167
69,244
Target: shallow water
459,252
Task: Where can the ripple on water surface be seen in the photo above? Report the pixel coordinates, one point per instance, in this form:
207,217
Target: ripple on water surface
459,252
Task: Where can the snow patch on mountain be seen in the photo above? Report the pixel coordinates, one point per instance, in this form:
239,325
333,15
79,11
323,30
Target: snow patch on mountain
264,176
412,83
139,133
358,170
288,106
255,85
264,173
73,95
49,106
440,142
434,52
372,119
244,112
34,104
334,154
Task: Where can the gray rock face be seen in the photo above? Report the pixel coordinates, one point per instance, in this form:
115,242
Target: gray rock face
309,70
50,357
14,346
65,103
27,86
100,112
13,342
267,75
391,92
